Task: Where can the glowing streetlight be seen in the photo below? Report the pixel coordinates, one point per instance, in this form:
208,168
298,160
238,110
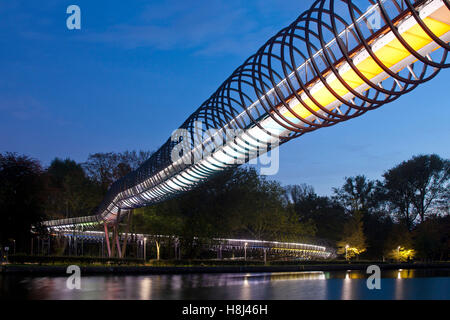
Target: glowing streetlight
145,251
245,251
346,249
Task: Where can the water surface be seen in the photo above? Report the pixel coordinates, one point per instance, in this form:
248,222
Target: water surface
395,284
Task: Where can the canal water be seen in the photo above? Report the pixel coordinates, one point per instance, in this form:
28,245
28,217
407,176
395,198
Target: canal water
395,284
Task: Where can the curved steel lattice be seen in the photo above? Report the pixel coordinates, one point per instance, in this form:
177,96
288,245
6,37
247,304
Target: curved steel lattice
336,61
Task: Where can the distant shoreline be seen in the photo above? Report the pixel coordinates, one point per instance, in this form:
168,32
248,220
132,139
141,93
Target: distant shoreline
137,270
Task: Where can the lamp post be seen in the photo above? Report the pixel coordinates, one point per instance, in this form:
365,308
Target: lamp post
398,253
145,247
346,249
245,251
14,250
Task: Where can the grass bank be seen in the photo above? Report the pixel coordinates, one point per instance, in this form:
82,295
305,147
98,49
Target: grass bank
59,266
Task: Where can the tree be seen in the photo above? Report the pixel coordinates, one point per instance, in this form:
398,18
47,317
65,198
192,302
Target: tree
327,215
399,195
269,219
399,243
432,238
430,181
356,194
361,199
353,241
70,192
101,167
105,168
416,186
157,220
443,204
377,226
300,195
235,203
213,209
135,158
22,194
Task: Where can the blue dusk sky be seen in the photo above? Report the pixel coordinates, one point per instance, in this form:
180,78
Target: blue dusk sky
137,69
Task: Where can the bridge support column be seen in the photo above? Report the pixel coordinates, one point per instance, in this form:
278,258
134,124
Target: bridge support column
116,240
265,255
107,240
113,242
158,246
125,241
116,228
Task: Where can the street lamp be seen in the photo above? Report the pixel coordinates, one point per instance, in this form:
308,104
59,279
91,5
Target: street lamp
14,250
145,246
245,251
398,253
346,249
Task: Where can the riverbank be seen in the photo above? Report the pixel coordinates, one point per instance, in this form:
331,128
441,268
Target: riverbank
31,269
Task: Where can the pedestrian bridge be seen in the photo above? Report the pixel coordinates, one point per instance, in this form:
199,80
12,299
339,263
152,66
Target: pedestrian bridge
79,242
335,62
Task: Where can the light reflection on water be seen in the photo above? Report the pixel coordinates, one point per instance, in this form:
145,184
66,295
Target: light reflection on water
395,284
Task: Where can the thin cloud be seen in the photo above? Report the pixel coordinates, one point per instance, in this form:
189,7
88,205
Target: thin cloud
206,28
22,108
28,108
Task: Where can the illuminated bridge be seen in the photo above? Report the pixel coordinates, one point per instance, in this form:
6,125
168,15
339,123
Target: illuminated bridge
336,61
79,241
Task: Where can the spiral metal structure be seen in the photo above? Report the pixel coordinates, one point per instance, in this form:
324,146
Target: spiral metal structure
335,62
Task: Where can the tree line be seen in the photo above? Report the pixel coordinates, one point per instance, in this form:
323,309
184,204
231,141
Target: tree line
404,215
